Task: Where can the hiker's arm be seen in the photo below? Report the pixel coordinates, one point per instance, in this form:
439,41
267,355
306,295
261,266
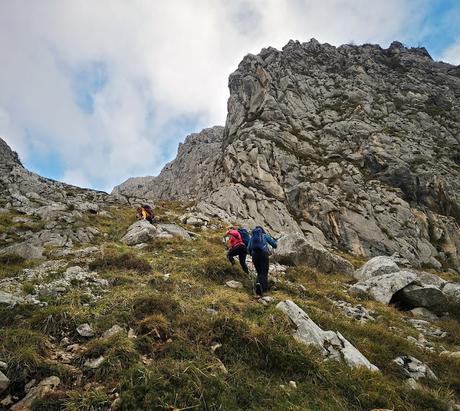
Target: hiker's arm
271,241
233,233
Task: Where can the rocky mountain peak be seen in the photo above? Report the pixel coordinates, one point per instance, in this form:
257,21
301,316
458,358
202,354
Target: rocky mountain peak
8,157
354,146
189,177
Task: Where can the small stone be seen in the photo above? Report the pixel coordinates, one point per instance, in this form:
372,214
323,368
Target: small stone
268,299
222,368
85,330
35,393
212,311
413,340
450,354
65,341
116,329
424,313
4,382
73,347
3,365
215,347
94,363
29,385
412,383
131,334
234,284
293,385
8,400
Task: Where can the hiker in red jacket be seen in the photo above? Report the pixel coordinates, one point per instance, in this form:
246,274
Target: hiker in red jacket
237,248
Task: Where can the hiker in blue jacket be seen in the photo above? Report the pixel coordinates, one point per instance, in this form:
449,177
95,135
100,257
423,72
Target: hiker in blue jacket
258,248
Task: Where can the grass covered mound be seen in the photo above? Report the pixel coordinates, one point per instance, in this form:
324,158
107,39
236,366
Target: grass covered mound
188,341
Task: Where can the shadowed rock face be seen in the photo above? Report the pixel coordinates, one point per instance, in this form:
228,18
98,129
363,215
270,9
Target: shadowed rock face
356,146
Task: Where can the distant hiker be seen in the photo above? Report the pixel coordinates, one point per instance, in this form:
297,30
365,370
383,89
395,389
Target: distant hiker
145,212
258,248
237,247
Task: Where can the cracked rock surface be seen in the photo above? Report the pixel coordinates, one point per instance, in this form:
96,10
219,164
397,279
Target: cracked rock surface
356,147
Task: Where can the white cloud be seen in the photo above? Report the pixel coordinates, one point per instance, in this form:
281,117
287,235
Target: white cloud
452,53
165,61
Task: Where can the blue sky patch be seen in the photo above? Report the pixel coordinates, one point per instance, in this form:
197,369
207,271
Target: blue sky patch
88,80
442,22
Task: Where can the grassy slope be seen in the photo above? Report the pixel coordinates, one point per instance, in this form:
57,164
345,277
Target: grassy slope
170,365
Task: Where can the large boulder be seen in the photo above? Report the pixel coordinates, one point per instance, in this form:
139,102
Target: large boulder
171,230
139,232
430,279
331,345
383,287
142,231
295,249
424,295
376,266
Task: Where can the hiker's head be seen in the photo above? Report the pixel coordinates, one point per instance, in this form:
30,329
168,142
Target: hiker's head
259,228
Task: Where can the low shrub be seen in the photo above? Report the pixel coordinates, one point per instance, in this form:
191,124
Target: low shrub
216,269
155,304
119,353
123,261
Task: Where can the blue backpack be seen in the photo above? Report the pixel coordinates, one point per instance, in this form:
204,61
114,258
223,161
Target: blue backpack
258,242
244,235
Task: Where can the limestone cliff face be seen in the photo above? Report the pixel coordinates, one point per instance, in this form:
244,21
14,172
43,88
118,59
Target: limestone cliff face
189,177
356,146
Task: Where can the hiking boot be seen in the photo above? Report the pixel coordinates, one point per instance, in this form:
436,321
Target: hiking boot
258,289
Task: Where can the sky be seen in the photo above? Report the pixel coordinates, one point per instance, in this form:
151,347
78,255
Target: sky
94,92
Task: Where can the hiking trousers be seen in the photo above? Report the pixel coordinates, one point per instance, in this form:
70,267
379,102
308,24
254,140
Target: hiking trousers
241,252
261,263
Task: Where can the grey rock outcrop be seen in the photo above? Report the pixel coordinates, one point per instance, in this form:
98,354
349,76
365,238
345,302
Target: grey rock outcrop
189,177
331,344
85,330
142,231
423,295
414,368
406,289
376,266
53,213
294,249
357,144
383,287
139,232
